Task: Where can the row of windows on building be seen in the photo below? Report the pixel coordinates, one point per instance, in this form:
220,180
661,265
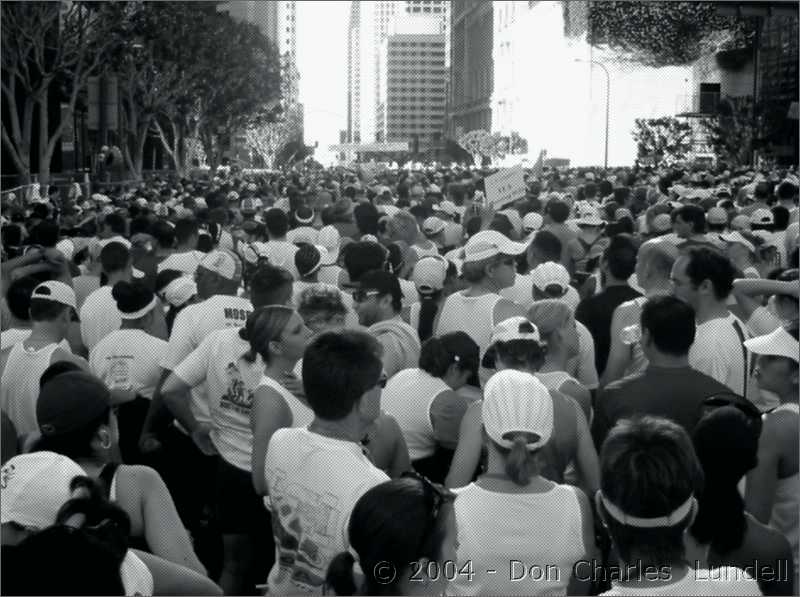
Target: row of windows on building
416,44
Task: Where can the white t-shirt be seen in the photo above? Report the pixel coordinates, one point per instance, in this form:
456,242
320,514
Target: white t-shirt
230,382
280,254
192,325
129,360
11,336
314,481
718,352
494,529
725,580
186,262
410,292
99,317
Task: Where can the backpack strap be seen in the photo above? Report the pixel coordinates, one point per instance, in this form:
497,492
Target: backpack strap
740,332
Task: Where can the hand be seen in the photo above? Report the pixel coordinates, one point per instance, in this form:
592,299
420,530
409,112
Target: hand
202,439
149,443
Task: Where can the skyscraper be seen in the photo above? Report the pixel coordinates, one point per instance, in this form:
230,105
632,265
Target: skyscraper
371,22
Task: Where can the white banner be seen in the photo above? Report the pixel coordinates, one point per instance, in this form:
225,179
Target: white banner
505,186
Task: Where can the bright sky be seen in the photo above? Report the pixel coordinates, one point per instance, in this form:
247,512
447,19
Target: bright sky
322,62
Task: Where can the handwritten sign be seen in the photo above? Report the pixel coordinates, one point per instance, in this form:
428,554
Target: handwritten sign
505,186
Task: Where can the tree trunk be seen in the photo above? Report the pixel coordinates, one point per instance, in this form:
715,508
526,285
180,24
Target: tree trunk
45,152
207,139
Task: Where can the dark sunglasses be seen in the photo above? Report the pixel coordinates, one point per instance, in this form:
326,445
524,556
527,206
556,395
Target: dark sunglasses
435,497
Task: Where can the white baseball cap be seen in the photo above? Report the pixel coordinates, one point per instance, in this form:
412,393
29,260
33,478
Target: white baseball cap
490,243
55,291
779,343
223,263
532,221
66,247
515,328
429,274
447,207
737,238
433,225
550,274
762,216
34,487
389,210
515,402
589,216
329,238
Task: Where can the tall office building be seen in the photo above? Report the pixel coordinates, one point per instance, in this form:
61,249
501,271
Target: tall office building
413,89
471,66
371,23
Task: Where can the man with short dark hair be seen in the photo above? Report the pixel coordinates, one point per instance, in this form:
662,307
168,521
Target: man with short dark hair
668,387
99,314
558,212
52,307
689,224
595,312
316,475
379,303
277,249
704,279
186,257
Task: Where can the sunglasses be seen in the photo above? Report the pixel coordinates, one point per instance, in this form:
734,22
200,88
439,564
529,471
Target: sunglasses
360,296
435,497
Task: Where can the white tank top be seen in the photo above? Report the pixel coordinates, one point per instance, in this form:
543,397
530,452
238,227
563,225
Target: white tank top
19,385
408,397
301,414
553,380
785,509
471,314
494,529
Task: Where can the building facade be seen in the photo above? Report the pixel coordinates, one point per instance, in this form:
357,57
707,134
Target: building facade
413,89
471,67
371,23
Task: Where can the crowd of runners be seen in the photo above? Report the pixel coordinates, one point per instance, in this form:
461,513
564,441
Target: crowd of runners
372,381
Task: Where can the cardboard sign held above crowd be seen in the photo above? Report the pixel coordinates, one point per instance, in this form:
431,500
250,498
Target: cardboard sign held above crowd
505,186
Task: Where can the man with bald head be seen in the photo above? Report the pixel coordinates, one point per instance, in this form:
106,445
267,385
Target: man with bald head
654,263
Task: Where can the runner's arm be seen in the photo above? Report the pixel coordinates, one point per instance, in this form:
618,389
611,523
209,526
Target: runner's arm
763,479
269,413
173,579
619,354
468,452
163,529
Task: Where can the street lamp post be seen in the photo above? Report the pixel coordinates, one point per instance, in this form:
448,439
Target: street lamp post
608,101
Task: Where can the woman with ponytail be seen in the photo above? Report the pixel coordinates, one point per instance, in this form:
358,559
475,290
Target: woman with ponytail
425,402
723,533
76,420
433,277
542,522
405,526
238,367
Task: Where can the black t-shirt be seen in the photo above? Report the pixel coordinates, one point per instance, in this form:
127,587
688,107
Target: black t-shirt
595,312
674,393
